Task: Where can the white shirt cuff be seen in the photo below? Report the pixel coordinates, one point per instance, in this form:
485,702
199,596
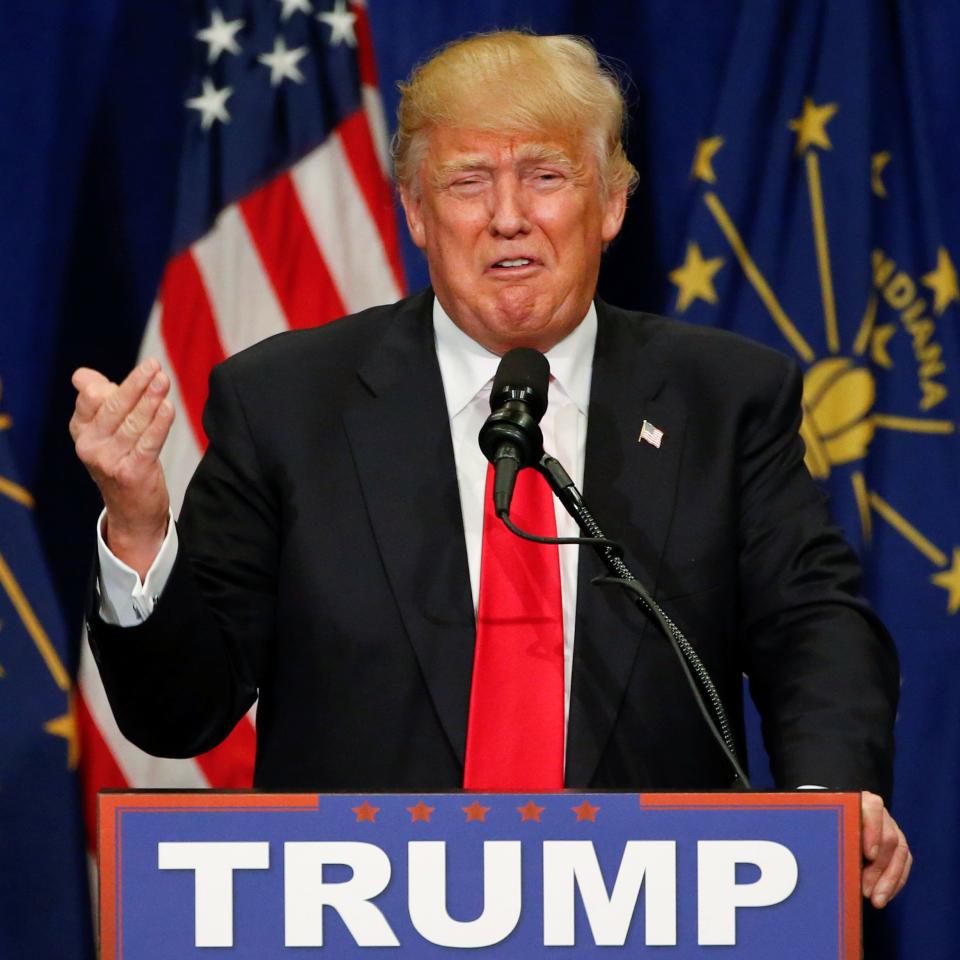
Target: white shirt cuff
124,600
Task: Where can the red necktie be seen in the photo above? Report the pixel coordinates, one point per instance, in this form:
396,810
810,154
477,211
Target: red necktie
515,729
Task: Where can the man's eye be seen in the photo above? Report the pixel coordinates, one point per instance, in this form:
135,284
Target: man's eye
468,183
547,177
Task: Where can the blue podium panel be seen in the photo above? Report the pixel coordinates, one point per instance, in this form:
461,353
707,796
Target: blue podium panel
559,875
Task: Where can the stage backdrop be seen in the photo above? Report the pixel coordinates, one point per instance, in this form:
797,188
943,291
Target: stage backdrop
800,183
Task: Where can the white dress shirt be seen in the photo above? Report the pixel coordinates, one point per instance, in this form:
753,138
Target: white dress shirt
467,370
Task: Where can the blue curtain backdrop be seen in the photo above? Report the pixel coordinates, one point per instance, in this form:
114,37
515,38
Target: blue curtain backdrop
800,166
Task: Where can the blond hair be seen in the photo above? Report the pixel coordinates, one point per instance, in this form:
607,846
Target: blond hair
513,82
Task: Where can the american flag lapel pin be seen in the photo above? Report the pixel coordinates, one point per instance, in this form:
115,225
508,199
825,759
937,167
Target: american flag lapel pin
650,434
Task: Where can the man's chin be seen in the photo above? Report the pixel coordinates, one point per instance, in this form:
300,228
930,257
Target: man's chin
515,317
534,336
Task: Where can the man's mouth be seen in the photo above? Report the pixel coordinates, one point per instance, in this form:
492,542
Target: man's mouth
514,263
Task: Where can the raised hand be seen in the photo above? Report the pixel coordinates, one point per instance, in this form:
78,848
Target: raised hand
118,432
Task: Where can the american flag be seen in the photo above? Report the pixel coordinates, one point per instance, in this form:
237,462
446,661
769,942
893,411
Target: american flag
285,219
650,434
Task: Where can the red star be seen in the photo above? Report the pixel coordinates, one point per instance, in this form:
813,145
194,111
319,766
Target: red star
586,811
366,812
420,812
530,812
476,811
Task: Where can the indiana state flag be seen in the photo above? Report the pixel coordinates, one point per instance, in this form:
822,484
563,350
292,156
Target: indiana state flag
815,227
44,906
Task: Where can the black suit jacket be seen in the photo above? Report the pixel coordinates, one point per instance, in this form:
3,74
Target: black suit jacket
323,566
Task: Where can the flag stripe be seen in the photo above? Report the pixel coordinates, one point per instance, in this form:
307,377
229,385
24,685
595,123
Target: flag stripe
289,253
190,335
100,770
181,453
373,107
366,60
230,764
360,266
355,135
370,89
243,301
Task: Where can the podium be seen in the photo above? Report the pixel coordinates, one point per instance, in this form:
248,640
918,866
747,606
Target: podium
559,875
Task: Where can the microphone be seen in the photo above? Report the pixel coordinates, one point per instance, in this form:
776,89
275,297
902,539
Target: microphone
511,438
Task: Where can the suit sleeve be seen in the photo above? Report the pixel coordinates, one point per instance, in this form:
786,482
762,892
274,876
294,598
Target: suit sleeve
823,670
180,681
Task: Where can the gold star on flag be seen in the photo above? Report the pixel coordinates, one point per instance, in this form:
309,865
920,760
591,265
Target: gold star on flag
878,163
66,726
942,281
950,581
811,125
702,168
694,278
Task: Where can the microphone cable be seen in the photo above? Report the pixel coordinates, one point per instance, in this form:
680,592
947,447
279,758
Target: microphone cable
611,553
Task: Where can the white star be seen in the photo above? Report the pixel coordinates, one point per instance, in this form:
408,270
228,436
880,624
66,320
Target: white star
283,62
341,23
220,36
212,103
290,7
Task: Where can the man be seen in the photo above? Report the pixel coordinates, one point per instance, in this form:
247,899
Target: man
333,560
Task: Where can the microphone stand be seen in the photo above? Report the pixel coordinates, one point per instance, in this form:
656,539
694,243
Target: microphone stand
620,575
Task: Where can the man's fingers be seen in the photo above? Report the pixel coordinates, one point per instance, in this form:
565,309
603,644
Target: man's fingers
134,464
906,871
892,879
885,851
118,405
108,447
142,415
83,376
148,445
885,845
895,874
92,388
872,813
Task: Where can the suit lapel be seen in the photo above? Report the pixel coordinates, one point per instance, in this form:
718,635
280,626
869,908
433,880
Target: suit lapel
399,436
630,487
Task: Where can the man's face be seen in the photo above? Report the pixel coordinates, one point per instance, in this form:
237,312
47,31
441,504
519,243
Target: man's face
513,228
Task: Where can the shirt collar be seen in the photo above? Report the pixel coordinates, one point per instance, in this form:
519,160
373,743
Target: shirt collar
466,367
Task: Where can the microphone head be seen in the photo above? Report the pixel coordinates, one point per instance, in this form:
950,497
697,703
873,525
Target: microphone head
523,374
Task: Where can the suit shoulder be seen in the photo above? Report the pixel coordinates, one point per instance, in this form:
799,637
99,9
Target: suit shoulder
709,356
327,351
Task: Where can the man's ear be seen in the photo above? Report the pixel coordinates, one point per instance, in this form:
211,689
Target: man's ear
411,200
615,207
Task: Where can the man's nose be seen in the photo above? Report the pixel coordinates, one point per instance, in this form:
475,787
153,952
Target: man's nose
508,215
